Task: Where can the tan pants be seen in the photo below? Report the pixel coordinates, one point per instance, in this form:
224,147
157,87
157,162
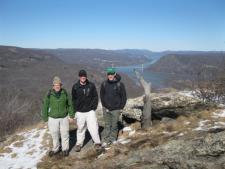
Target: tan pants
87,120
59,127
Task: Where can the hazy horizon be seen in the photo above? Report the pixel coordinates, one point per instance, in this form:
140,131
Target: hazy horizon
180,50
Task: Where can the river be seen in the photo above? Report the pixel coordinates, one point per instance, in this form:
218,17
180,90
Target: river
158,80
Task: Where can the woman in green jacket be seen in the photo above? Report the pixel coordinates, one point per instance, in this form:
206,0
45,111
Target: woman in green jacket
56,109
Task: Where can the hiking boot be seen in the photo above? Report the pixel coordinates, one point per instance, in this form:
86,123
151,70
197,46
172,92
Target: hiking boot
77,148
65,153
98,148
52,153
97,145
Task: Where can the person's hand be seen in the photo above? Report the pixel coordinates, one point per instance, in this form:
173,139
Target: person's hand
71,120
44,124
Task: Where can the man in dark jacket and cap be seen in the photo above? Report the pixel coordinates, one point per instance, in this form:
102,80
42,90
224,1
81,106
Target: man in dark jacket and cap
85,101
113,98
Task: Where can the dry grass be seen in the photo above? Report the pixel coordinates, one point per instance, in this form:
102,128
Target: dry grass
158,134
37,126
14,155
37,135
168,90
123,134
31,152
5,150
15,138
4,147
18,144
57,162
46,141
18,140
135,126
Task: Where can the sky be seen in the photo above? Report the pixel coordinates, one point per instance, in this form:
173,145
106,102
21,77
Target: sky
155,25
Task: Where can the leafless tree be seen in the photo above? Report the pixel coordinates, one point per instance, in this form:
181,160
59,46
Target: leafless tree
14,110
209,84
146,121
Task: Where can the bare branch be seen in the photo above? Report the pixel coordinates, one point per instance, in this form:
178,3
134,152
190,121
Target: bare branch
146,121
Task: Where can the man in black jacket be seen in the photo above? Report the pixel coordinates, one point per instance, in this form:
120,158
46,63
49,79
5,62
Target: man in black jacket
113,98
85,101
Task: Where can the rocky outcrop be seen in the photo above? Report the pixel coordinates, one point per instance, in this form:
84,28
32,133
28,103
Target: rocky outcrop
181,143
207,152
170,105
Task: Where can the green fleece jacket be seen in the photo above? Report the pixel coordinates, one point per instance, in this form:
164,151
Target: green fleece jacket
57,106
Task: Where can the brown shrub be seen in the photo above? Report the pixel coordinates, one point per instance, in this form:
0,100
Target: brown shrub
16,111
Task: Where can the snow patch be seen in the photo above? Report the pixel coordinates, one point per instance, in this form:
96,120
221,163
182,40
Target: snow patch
220,123
127,129
212,125
181,134
123,140
218,114
187,93
202,126
222,106
28,154
166,103
107,148
131,133
187,122
169,133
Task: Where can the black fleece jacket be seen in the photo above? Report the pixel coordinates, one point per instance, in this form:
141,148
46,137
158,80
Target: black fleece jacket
113,96
84,97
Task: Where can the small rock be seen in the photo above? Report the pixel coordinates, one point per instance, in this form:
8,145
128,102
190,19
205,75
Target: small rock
167,120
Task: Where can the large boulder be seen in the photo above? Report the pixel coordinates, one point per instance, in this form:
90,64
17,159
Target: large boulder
133,108
170,105
205,152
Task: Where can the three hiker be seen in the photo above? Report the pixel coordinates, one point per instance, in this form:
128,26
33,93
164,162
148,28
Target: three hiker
113,98
56,108
85,101
59,109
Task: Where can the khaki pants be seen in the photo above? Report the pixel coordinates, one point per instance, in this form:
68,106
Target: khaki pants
59,127
87,120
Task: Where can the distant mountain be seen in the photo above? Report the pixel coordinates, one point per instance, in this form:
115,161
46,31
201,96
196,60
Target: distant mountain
34,69
186,62
30,65
29,73
99,57
136,52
